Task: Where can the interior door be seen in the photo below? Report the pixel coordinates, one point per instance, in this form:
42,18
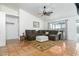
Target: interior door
12,27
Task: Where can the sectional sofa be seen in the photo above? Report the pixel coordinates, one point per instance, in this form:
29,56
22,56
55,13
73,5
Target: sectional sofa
52,34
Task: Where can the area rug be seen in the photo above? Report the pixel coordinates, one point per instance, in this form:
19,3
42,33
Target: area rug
42,46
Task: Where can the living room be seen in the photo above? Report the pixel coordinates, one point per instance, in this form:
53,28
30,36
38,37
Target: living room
19,19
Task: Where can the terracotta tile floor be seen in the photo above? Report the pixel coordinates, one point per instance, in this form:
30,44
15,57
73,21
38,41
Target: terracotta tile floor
22,48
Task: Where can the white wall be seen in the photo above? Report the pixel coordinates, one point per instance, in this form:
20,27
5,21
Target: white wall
2,29
63,10
26,21
71,29
9,10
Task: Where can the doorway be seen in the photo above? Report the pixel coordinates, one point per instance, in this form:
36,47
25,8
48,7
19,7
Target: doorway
12,27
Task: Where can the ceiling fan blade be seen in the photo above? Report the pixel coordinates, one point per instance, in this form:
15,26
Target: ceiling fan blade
49,13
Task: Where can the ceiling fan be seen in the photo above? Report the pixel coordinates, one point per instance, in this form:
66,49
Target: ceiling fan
45,12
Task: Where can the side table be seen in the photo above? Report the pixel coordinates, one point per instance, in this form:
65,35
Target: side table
22,38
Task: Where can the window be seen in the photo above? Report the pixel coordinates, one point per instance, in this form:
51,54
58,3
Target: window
56,26
49,26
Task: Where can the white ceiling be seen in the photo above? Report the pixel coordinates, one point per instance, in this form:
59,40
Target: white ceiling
36,8
33,8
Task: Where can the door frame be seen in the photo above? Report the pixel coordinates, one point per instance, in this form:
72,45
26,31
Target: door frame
6,24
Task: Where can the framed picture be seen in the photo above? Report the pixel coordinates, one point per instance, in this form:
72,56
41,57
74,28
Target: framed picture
36,24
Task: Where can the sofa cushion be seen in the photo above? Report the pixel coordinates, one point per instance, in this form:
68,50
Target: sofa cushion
53,32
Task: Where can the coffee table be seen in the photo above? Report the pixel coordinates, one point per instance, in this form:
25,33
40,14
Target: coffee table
42,38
